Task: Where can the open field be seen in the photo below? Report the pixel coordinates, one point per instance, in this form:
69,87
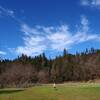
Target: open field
69,91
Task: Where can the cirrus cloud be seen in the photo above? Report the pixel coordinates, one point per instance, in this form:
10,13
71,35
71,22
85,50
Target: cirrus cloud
91,3
39,39
2,53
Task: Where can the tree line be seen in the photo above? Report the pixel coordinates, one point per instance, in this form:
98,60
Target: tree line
25,71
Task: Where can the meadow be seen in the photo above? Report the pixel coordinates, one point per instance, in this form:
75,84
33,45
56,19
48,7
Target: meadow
69,91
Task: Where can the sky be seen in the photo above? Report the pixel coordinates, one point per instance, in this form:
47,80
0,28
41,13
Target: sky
32,27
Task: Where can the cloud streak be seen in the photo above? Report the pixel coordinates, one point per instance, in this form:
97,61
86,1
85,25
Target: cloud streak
91,3
39,39
2,53
10,13
7,12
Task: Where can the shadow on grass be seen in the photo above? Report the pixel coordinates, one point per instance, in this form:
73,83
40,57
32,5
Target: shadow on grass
10,91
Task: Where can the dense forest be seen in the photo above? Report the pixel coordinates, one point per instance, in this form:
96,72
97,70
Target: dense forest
25,71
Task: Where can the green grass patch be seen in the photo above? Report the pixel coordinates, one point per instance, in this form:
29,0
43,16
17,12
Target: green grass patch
47,92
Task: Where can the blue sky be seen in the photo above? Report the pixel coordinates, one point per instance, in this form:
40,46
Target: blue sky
35,26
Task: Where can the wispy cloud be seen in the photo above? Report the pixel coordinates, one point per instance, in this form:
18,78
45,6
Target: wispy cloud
85,24
2,53
91,3
39,39
6,11
10,13
33,45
